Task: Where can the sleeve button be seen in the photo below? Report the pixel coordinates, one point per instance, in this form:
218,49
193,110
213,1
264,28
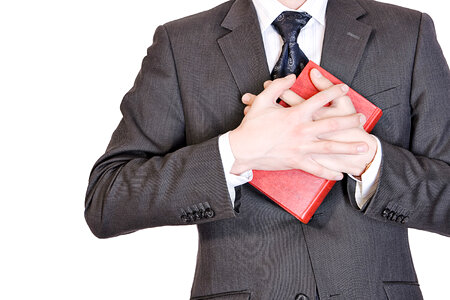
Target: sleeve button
185,218
190,217
209,213
385,212
301,297
392,215
196,215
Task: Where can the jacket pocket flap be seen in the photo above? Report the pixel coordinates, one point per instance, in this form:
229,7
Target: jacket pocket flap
386,98
238,295
403,290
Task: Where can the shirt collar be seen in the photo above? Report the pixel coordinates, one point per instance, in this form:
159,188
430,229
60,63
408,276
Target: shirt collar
268,10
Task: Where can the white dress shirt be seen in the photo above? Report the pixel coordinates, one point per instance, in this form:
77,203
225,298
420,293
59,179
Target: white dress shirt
310,41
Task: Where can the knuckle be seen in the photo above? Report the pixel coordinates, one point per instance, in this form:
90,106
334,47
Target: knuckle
277,80
327,147
336,90
350,121
304,131
348,104
316,115
320,172
355,171
357,120
346,99
320,113
333,124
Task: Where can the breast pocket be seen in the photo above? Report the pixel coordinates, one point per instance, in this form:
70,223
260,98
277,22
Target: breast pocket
236,295
403,291
386,98
395,123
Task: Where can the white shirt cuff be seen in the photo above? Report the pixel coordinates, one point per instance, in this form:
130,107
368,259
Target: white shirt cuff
366,187
227,161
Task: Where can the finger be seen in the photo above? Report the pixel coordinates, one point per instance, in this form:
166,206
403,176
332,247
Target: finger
267,83
319,81
332,147
344,104
312,167
322,98
277,87
329,125
246,110
323,113
291,98
342,163
341,106
347,135
343,101
248,98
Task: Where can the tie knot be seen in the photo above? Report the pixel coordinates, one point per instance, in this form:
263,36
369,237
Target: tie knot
289,23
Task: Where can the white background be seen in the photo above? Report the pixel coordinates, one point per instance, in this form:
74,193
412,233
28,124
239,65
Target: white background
64,67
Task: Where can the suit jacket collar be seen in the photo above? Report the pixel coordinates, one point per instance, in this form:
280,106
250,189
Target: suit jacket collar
344,43
345,38
268,10
243,47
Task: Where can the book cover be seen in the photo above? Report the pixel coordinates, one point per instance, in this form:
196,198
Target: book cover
296,191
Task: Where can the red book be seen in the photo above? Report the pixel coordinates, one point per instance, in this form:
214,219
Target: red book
296,191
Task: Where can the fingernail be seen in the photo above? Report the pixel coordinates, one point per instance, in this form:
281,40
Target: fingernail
291,76
246,98
362,148
344,88
362,119
316,73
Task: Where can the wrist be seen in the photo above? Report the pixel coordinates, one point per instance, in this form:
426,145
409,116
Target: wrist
372,154
240,164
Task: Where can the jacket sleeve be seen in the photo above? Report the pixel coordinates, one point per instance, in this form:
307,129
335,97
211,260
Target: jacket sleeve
414,186
148,176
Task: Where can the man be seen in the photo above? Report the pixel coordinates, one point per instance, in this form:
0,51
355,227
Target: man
166,164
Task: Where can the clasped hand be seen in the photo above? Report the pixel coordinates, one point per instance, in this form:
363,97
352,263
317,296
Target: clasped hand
324,141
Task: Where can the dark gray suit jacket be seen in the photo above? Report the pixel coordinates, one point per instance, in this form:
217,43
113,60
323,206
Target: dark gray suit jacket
162,166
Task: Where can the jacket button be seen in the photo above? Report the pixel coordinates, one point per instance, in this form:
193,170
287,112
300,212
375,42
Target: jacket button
385,212
392,215
191,217
301,297
404,220
197,215
209,213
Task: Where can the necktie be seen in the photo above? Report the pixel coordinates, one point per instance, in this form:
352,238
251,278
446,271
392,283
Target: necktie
292,59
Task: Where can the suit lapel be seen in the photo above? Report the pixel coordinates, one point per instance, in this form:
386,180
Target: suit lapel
344,43
345,38
243,47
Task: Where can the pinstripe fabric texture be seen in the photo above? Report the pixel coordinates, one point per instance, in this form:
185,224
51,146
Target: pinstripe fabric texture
162,166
